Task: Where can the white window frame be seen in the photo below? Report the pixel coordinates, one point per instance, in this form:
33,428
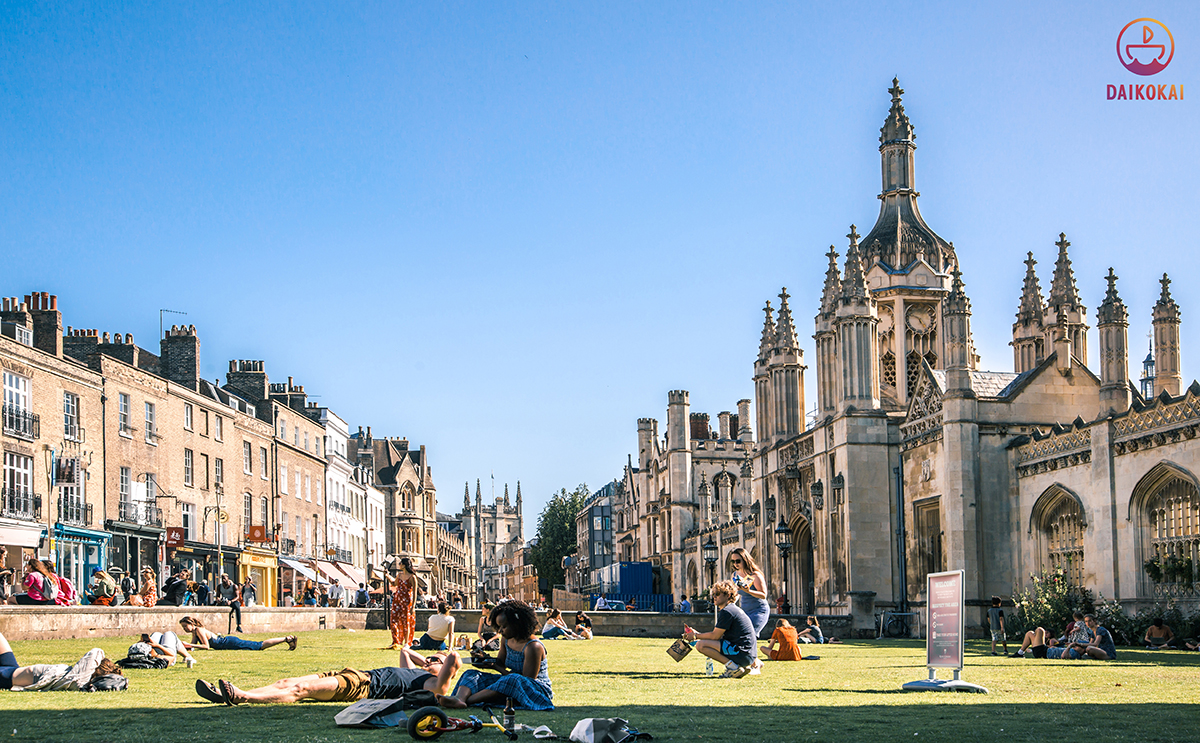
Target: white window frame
123,408
187,416
247,458
187,517
263,461
71,427
189,468
219,471
308,488
151,428
16,391
218,427
283,479
125,484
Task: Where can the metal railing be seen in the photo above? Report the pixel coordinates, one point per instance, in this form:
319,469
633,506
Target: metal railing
21,423
342,555
20,504
74,512
135,512
287,546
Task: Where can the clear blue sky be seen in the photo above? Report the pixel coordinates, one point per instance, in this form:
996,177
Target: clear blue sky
507,232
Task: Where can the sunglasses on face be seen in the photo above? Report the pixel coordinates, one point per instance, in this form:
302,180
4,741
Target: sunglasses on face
737,562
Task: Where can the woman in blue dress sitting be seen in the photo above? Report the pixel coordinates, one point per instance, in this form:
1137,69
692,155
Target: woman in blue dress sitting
525,676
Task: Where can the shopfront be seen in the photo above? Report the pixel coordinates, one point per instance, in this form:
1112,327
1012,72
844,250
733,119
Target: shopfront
264,566
135,546
77,552
201,559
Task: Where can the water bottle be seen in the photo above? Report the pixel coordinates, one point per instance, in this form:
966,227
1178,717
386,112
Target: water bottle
708,667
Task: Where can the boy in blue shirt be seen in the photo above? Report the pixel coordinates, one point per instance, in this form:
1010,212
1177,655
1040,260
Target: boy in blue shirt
732,641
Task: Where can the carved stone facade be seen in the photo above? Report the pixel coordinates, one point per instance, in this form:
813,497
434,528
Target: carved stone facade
919,461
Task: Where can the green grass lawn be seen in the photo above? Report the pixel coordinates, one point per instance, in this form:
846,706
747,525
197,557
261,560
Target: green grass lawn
851,694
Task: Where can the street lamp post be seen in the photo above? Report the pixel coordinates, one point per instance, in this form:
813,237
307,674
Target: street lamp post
783,541
710,560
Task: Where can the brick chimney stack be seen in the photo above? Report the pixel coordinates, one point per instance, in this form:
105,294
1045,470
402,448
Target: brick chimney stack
47,322
247,380
180,358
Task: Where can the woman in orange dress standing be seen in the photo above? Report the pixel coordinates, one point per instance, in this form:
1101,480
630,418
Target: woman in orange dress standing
403,617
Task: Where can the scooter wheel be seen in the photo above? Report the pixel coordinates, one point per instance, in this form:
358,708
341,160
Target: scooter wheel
427,723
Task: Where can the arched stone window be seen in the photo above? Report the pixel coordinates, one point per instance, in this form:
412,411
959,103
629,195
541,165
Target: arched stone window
1059,522
1166,510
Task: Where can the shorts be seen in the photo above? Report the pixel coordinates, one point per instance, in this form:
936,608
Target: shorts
997,635
24,599
735,654
1041,651
352,685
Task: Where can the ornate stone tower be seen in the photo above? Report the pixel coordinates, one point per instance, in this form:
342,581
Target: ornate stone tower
1167,375
779,376
1064,303
906,265
1029,337
857,341
1112,320
826,338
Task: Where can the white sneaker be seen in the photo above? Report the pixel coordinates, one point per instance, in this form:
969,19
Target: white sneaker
755,670
191,662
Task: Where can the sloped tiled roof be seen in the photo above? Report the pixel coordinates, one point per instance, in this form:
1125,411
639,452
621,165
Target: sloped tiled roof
987,383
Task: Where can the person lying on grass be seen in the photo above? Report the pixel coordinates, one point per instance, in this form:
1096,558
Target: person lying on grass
525,674
168,645
206,639
1039,644
53,676
415,672
732,641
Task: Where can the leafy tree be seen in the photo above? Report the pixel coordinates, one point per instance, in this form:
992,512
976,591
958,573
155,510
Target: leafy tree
556,535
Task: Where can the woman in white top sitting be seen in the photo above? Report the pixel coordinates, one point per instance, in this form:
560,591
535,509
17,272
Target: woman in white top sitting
440,631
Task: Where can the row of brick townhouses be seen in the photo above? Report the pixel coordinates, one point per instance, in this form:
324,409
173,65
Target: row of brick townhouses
115,456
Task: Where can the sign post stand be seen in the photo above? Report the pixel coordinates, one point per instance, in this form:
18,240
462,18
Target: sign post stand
944,634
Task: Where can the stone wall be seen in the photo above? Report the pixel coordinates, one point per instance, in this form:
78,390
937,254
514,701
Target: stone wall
59,623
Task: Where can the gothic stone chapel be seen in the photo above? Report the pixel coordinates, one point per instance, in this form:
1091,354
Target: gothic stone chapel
918,460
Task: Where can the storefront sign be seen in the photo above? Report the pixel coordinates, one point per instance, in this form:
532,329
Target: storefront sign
944,645
174,536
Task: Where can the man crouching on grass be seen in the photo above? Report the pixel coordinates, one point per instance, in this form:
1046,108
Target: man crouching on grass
415,672
732,641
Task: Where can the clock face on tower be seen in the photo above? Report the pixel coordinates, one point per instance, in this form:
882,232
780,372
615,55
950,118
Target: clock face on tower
887,321
920,319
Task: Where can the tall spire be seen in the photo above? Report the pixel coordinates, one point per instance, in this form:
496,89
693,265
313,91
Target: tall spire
854,285
518,493
466,496
478,493
785,333
1168,376
833,284
1031,294
768,332
896,126
1112,309
506,494
1062,289
1113,324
